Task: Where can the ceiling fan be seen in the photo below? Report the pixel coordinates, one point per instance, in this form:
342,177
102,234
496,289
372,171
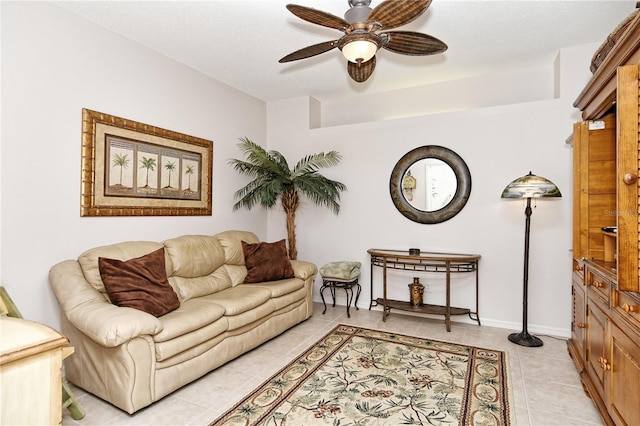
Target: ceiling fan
365,32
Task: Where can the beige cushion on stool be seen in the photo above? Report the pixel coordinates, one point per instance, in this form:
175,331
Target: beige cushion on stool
343,270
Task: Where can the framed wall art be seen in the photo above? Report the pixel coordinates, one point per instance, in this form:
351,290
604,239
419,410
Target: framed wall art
135,169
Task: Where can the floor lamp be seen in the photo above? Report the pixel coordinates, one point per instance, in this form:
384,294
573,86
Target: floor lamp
528,186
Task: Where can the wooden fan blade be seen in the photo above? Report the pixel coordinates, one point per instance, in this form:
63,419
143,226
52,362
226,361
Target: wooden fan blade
362,71
395,13
318,17
310,51
414,44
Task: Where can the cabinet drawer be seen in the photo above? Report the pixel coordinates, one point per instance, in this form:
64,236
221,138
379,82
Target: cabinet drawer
578,275
600,285
628,305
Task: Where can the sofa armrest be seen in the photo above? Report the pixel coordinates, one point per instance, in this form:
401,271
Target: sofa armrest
303,269
92,314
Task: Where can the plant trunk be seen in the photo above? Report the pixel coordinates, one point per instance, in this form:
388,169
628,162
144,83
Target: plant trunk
290,201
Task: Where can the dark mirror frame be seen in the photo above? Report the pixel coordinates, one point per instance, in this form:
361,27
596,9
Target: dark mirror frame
460,198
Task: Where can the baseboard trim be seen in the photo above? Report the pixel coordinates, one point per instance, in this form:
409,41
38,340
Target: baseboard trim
564,333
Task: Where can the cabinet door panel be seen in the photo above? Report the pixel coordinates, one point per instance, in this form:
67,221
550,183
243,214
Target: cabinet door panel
599,177
596,327
594,167
579,158
624,399
627,174
579,323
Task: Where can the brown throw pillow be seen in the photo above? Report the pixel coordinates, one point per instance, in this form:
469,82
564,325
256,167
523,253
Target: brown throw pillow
266,262
139,283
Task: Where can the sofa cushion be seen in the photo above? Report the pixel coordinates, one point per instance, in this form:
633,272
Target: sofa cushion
251,318
193,255
192,315
283,292
237,273
237,300
281,287
290,300
342,270
173,352
266,262
139,283
188,288
231,242
123,251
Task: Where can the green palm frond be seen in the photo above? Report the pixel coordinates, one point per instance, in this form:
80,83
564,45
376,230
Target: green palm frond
283,166
262,191
272,179
321,190
312,163
259,161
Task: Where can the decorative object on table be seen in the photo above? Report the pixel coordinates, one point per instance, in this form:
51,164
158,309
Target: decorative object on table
274,182
444,179
438,383
135,169
362,37
609,43
416,292
341,275
528,187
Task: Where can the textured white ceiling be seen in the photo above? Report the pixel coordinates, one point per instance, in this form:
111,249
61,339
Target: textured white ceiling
239,42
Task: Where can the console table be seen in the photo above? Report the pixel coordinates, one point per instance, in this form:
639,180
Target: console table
447,263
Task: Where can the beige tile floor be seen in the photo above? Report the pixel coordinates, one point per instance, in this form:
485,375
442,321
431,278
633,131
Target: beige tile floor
546,388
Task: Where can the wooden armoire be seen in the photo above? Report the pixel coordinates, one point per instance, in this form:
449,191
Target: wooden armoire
605,328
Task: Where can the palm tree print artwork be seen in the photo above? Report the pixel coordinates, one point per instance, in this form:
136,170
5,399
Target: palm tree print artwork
170,166
122,161
162,173
136,169
170,174
190,178
189,171
120,180
275,182
148,164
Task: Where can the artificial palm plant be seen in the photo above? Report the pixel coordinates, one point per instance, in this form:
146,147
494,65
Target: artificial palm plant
274,180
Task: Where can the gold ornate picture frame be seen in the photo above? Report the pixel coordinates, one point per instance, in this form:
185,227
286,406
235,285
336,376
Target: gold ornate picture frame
135,169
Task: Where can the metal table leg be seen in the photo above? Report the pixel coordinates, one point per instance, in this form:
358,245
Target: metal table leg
324,285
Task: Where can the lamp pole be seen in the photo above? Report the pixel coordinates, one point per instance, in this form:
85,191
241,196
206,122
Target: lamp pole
524,338
528,186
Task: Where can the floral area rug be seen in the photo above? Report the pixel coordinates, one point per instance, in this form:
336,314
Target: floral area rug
357,376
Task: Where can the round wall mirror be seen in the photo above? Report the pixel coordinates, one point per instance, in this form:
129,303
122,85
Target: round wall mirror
430,184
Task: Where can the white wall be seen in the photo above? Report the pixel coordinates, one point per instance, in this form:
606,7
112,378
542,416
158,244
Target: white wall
459,95
53,65
498,143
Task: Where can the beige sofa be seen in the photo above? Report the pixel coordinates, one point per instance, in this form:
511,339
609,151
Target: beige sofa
132,358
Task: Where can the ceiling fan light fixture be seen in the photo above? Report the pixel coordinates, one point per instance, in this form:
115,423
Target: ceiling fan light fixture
363,33
359,50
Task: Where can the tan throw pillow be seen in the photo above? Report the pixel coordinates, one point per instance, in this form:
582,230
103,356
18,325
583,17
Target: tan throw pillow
139,283
266,262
